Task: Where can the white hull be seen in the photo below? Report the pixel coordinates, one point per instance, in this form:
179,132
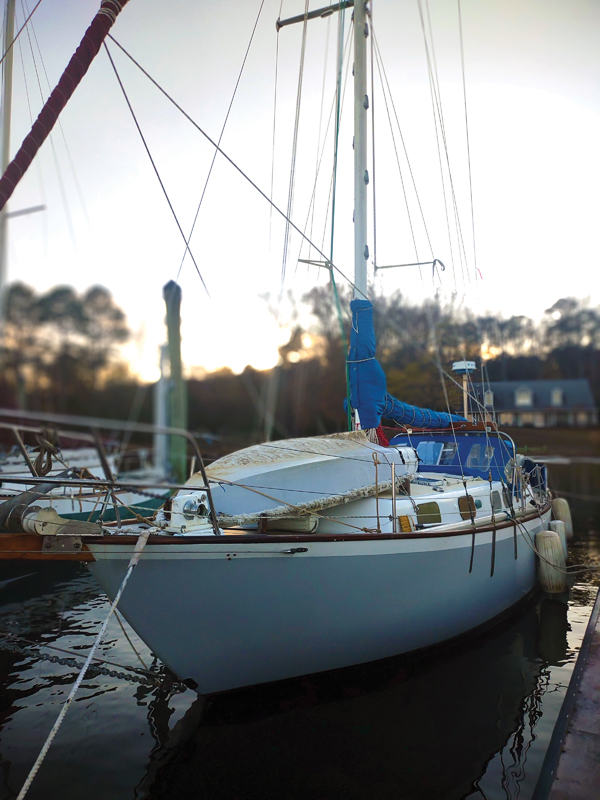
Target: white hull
231,613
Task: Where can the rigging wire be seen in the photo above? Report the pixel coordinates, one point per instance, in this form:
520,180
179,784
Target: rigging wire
444,191
61,183
402,183
436,124
332,193
336,295
318,170
381,69
274,124
318,160
460,237
286,241
60,125
20,31
437,105
212,163
462,62
38,165
141,542
162,186
230,160
437,95
339,97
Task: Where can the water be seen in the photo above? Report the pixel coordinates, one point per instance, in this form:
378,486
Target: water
472,721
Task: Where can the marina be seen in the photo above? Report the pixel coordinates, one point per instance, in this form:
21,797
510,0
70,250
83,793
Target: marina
388,586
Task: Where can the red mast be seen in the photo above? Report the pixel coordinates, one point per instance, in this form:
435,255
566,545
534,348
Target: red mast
71,77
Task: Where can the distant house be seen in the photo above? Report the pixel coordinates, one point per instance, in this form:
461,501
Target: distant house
541,404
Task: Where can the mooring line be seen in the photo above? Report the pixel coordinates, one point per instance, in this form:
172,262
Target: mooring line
140,544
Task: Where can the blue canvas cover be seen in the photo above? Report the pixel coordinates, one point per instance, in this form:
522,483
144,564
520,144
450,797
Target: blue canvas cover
404,414
368,388
368,392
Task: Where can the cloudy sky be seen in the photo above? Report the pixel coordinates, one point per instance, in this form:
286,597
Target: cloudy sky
533,90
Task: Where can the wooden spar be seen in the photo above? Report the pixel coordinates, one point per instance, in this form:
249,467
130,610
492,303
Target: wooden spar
69,81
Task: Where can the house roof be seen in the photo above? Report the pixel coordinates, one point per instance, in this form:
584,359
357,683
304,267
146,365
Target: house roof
577,394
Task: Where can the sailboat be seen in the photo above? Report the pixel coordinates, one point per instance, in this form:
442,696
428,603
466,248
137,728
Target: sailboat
304,555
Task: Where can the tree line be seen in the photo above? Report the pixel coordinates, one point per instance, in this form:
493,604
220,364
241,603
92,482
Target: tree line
62,351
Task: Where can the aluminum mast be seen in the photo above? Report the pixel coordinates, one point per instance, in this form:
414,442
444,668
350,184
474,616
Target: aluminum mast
361,174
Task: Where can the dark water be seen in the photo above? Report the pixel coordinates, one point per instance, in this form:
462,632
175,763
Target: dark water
472,721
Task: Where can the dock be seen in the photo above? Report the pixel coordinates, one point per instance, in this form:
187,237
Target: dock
571,769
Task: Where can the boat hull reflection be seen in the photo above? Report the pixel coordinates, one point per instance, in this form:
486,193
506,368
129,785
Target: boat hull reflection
421,728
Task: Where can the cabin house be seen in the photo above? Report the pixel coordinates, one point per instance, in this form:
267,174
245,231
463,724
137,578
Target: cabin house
538,403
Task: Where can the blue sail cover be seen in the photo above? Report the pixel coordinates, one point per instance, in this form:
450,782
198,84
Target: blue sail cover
368,388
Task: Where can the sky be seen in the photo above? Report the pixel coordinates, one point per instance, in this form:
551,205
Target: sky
532,75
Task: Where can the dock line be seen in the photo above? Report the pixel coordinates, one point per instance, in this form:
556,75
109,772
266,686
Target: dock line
140,544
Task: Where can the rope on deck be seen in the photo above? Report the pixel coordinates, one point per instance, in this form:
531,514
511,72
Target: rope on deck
310,507
140,544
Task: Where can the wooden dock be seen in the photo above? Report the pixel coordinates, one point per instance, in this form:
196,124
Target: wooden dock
571,769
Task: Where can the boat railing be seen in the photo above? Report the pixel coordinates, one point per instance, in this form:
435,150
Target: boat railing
88,431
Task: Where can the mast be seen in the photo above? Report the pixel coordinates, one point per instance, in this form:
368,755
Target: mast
7,79
361,175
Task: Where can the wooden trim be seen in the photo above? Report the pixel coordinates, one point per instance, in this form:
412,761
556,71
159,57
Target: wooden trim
459,427
28,547
311,537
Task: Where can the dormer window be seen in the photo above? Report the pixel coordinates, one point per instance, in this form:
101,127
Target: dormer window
523,397
488,399
557,396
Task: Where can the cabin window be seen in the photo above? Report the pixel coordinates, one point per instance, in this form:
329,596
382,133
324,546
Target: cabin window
480,456
428,514
523,397
435,453
488,399
496,501
507,497
466,506
448,452
429,452
556,396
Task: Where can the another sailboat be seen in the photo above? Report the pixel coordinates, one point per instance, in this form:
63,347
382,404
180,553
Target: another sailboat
305,555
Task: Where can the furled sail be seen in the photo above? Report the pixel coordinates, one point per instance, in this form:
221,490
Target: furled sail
368,388
70,79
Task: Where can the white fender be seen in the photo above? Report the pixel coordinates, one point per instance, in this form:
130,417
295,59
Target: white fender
551,562
562,512
558,526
